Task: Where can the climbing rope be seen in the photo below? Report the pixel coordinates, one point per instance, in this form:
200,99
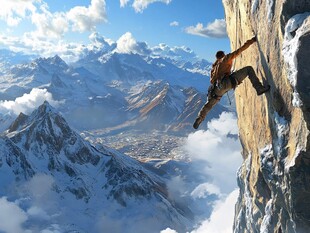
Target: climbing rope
228,98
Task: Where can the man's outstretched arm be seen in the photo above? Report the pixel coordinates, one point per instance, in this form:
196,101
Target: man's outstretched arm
242,48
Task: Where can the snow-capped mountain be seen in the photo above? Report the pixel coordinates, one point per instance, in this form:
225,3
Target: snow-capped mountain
88,189
130,68
202,66
182,57
61,182
112,90
9,58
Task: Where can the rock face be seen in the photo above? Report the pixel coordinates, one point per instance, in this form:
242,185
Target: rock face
274,179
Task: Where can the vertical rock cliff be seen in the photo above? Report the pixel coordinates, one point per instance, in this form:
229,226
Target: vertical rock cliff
274,178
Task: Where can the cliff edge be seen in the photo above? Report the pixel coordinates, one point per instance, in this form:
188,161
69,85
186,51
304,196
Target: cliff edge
274,178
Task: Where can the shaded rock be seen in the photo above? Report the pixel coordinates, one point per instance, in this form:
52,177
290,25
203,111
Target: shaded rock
274,128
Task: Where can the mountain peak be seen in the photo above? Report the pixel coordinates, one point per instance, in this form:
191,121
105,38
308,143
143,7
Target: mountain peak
43,110
46,130
46,107
54,61
23,120
58,60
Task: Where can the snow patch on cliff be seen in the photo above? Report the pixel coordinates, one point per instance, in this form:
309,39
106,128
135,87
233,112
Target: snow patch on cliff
291,163
282,129
254,6
248,196
266,161
272,154
267,218
243,216
294,29
269,9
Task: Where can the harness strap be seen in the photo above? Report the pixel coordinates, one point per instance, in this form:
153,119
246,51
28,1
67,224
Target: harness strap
228,98
211,92
234,81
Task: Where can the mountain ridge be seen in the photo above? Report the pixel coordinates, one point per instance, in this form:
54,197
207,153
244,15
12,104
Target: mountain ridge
44,145
111,89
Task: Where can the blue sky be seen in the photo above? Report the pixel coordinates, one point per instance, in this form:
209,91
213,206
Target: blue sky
52,26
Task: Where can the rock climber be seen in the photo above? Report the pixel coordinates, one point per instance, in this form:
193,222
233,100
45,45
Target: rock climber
222,80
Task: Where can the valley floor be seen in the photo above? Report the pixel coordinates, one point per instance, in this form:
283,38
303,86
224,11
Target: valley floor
141,146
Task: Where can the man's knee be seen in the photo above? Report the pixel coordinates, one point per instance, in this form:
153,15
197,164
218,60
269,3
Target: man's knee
249,69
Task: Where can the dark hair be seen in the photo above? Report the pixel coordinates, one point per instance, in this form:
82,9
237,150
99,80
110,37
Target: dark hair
219,54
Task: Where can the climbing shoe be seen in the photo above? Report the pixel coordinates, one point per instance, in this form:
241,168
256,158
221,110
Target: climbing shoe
197,122
261,90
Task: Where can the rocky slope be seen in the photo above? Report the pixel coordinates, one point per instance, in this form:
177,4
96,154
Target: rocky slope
274,128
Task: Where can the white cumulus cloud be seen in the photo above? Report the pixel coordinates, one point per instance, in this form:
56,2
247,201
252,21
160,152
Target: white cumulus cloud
12,12
40,185
38,213
86,18
224,125
30,44
168,230
36,205
124,2
11,216
99,43
222,217
176,52
50,25
218,149
141,5
216,29
174,24
28,102
202,190
128,44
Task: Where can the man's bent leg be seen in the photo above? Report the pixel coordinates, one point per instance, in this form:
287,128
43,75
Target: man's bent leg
207,107
204,111
247,71
241,74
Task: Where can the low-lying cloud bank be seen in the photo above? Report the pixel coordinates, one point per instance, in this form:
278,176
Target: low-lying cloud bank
28,102
217,151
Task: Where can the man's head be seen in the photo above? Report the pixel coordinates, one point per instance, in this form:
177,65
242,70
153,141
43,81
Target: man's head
219,54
